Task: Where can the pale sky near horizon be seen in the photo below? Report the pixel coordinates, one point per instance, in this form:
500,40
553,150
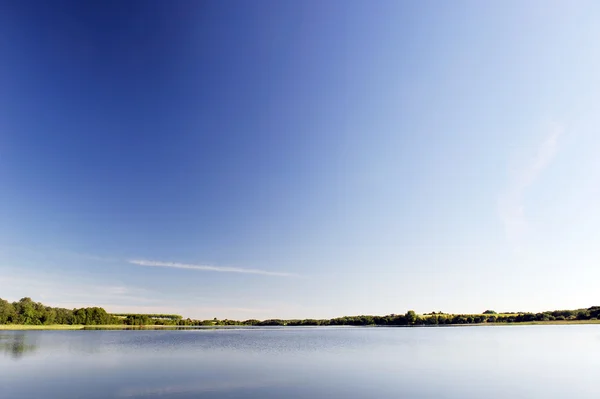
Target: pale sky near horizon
300,159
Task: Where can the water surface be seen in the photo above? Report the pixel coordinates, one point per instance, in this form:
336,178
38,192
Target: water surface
444,362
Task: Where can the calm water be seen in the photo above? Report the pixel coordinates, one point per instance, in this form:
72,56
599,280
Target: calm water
470,362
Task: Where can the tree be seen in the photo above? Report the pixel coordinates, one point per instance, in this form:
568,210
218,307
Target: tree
143,320
583,315
7,312
594,311
49,316
64,316
26,311
411,317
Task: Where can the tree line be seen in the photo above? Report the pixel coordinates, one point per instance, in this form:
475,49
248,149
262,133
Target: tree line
410,318
26,311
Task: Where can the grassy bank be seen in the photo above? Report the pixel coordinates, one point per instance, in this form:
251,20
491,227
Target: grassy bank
57,327
520,323
49,327
553,322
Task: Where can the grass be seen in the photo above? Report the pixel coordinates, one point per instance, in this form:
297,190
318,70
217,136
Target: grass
23,327
49,327
61,327
553,322
522,323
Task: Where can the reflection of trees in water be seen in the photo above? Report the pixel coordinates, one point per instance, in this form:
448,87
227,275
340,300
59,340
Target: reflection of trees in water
15,345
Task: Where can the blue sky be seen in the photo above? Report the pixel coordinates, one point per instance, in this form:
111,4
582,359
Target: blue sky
300,159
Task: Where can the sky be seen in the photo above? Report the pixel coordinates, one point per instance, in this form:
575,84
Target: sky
280,159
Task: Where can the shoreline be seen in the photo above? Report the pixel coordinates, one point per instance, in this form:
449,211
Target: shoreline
25,327
79,327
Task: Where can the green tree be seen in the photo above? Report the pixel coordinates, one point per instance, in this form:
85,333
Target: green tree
26,311
49,316
7,312
583,315
411,317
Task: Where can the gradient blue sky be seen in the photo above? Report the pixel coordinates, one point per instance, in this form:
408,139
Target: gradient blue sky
300,159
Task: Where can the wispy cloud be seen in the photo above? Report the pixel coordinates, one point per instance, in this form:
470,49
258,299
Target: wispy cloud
208,268
510,205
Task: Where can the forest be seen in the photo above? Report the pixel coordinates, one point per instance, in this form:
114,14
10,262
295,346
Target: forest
27,312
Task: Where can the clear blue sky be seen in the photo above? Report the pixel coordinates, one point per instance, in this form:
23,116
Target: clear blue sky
300,159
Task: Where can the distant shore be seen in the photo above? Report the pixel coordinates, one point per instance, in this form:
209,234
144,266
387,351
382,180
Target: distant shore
25,327
26,314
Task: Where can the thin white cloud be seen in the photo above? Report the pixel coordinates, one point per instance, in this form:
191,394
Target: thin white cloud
510,205
220,269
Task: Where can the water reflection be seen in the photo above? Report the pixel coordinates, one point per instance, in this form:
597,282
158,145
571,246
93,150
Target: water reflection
16,345
536,362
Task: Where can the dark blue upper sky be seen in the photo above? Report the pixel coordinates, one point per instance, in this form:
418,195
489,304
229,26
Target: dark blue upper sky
222,157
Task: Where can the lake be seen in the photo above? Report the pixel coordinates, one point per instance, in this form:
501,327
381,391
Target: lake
443,362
